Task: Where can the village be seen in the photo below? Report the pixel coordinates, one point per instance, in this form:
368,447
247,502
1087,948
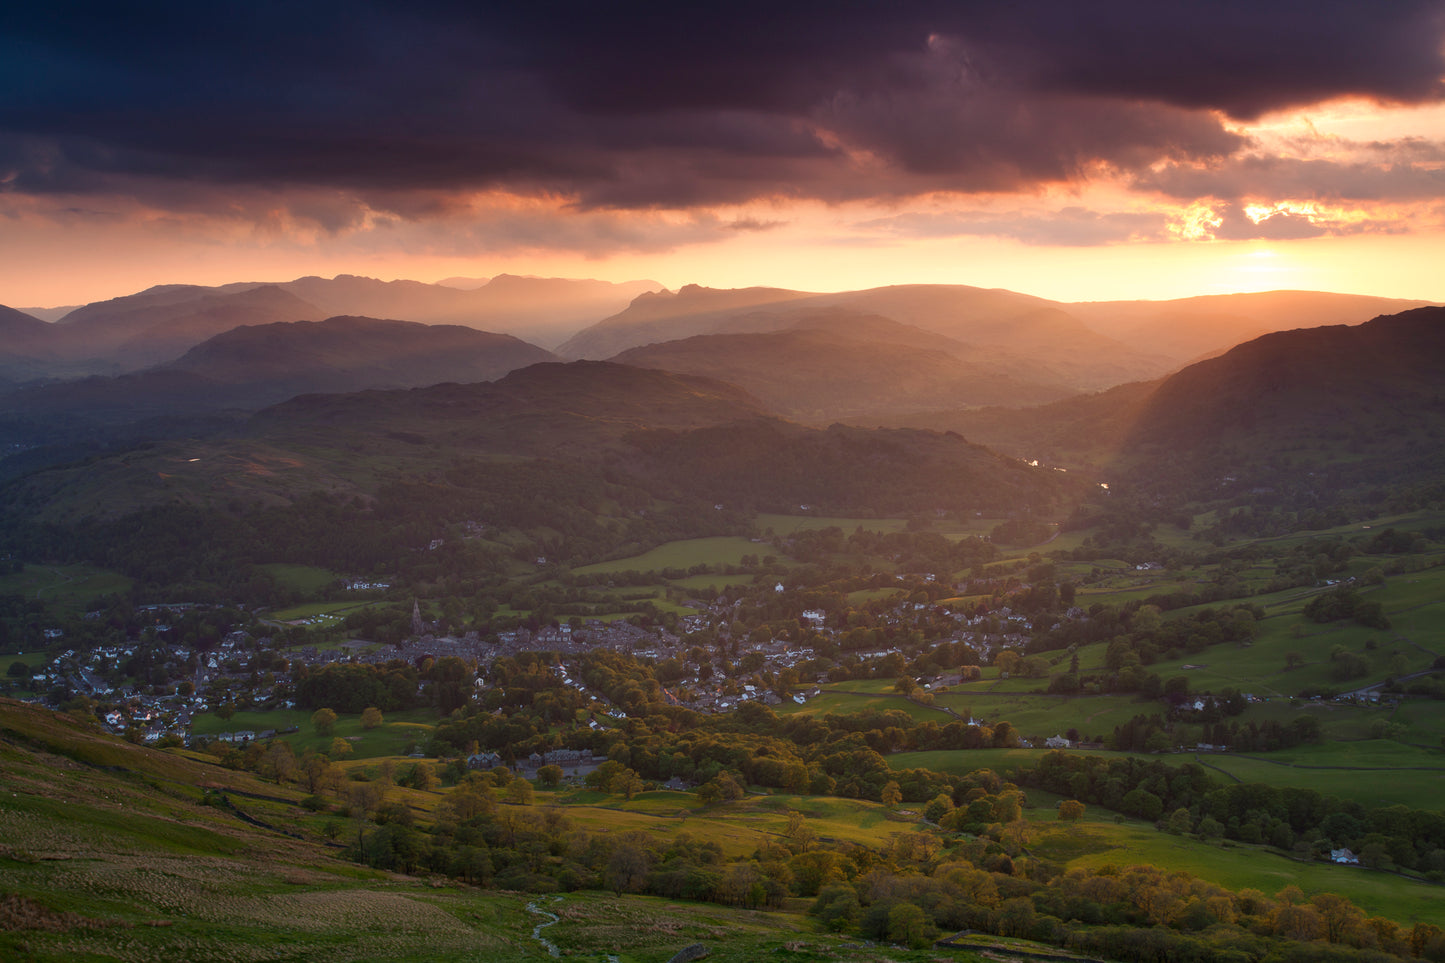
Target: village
251,667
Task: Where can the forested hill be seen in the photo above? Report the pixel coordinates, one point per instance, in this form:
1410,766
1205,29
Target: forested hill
1328,411
554,409
1309,381
573,462
1320,413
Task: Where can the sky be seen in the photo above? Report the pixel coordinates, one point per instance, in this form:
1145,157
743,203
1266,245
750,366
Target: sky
1078,151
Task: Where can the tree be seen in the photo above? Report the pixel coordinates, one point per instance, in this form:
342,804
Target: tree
626,870
1339,916
907,924
891,794
323,721
549,777
940,806
1142,803
1070,810
370,717
279,761
796,824
313,770
17,669
340,748
721,788
836,906
520,793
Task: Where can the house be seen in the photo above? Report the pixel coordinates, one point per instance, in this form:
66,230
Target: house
484,760
1057,742
1344,857
567,757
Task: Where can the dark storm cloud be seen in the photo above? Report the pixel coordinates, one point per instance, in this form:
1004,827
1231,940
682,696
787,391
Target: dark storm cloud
1299,179
639,105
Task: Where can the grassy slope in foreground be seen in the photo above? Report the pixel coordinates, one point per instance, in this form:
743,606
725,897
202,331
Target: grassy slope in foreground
108,854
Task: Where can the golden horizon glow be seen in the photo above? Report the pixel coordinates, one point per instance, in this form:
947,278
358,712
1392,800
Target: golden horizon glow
1102,238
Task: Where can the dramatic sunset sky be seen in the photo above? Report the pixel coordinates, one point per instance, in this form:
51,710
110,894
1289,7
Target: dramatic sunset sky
1070,149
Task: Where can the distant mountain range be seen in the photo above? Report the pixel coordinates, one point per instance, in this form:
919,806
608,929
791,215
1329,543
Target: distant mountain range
1084,346
157,325
1029,343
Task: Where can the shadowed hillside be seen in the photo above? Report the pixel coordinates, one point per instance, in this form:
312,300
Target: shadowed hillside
1324,409
836,365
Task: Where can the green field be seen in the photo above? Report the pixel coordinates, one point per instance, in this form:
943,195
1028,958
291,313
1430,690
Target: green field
399,730
988,701
846,703
963,761
1096,843
320,614
948,527
301,578
683,554
719,583
1372,772
64,588
737,827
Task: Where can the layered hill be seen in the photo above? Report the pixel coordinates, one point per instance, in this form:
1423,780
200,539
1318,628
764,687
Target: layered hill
839,365
162,322
253,366
238,372
157,325
986,320
350,353
1093,345
28,345
585,425
540,310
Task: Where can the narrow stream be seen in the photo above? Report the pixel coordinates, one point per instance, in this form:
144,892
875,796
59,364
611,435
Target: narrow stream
552,918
